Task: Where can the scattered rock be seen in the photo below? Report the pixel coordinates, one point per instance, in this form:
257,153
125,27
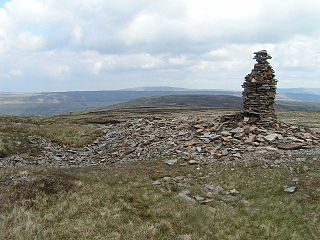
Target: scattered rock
157,182
251,139
295,180
291,189
234,192
215,189
224,152
171,162
229,198
225,133
209,200
272,149
238,155
199,198
184,195
249,206
271,137
198,126
193,162
237,130
290,146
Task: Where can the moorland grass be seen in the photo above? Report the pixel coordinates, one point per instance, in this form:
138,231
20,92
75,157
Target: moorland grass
14,132
120,202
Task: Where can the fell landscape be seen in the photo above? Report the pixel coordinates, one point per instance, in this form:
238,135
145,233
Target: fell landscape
46,103
154,179
159,120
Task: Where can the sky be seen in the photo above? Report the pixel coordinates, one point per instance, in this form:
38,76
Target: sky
59,45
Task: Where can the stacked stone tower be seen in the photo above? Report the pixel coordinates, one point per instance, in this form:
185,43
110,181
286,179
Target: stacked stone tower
260,91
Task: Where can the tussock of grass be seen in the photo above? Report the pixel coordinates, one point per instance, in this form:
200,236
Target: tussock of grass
22,188
74,135
13,141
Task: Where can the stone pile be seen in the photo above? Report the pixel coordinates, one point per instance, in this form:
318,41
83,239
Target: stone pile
189,140
260,91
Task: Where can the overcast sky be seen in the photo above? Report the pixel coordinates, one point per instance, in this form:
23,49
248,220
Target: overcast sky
61,45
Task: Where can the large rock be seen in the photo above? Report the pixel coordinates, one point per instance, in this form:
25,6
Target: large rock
271,137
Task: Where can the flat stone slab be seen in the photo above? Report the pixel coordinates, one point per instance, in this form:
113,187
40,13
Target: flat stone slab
290,146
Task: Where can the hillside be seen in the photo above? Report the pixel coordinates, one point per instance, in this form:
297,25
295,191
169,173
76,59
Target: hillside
213,101
61,102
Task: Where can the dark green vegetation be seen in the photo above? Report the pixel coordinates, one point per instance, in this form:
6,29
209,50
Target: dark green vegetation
61,102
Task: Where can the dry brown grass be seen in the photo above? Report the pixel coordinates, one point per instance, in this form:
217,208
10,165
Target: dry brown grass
22,188
119,202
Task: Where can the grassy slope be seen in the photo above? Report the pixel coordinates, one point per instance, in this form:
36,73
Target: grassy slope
120,202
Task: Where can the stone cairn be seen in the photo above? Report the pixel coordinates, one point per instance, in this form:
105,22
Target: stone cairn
260,91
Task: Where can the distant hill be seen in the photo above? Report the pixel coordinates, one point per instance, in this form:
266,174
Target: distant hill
162,88
214,101
315,91
175,89
59,102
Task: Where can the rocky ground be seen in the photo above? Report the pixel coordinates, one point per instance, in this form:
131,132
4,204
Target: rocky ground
192,174
185,139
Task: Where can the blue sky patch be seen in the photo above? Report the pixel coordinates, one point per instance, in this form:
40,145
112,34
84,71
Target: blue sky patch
2,2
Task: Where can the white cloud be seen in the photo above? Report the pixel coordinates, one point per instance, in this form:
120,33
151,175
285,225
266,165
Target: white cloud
16,72
179,60
197,43
58,70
